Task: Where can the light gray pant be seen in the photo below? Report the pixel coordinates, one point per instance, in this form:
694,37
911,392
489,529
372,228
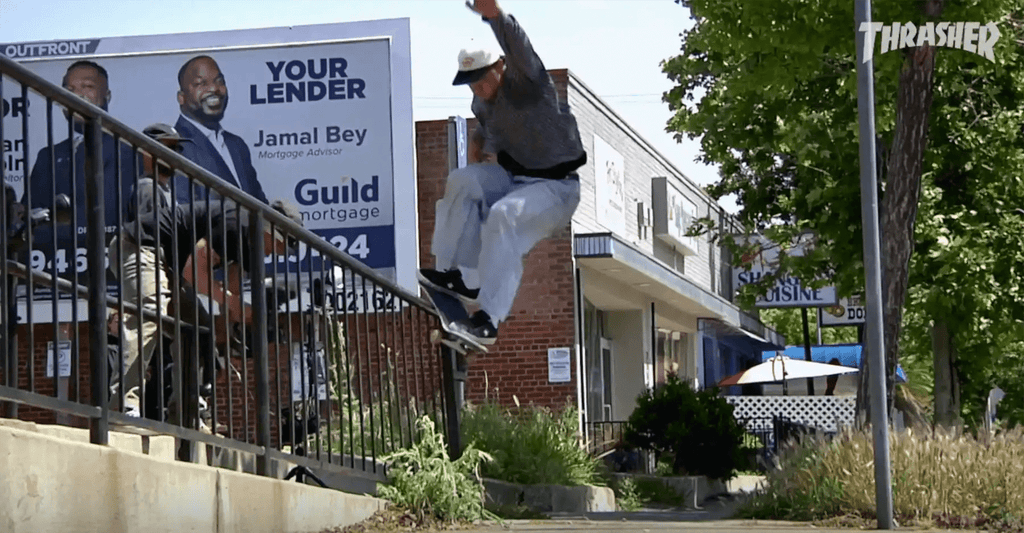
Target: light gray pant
140,265
489,220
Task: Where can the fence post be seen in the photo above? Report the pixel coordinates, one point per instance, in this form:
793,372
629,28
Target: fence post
96,258
8,289
451,403
259,338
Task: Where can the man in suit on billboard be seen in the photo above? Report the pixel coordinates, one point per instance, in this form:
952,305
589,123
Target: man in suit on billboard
58,171
203,98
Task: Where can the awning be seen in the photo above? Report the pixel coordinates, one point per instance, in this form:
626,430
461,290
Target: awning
846,354
611,256
768,339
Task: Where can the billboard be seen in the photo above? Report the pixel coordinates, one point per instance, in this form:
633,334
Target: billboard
319,116
788,291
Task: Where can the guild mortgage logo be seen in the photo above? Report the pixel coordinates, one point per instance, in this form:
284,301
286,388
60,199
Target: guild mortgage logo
967,36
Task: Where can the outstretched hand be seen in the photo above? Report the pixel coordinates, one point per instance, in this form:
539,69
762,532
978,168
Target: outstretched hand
486,8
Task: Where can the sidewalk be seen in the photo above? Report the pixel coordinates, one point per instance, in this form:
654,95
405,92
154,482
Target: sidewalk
715,516
649,526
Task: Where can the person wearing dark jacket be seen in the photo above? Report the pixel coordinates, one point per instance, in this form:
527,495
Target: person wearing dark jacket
496,209
159,240
60,169
147,246
203,99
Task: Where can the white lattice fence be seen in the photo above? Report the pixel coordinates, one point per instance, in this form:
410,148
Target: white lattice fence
818,411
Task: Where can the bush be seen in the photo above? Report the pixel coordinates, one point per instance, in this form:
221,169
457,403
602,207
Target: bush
695,430
426,481
937,479
530,445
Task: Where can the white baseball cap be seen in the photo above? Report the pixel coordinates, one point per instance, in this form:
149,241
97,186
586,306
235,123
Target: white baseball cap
473,64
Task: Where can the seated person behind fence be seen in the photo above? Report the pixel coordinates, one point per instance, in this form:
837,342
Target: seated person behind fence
832,381
147,279
154,217
206,257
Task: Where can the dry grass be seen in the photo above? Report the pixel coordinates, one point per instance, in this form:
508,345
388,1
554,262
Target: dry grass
938,478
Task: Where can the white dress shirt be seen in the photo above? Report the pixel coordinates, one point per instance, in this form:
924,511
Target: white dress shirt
216,138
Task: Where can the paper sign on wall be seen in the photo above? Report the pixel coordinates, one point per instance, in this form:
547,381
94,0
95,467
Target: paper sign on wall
304,373
63,359
559,365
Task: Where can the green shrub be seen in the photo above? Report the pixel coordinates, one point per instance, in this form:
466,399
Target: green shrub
696,430
530,445
426,481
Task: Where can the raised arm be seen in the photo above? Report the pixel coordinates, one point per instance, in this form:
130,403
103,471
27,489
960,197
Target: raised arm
519,53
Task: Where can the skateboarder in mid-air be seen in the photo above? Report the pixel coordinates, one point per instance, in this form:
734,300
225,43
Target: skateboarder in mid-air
495,211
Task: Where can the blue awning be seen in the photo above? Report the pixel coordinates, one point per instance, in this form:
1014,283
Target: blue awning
847,354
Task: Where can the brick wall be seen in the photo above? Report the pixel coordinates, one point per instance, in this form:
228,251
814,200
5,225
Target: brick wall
78,383
543,314
399,368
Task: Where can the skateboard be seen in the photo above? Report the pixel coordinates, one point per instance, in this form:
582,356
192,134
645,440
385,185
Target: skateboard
451,310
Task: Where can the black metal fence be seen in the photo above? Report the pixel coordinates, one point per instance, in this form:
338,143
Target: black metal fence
771,433
248,331
606,439
766,436
604,436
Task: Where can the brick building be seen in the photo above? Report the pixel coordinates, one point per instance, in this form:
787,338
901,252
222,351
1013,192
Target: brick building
623,289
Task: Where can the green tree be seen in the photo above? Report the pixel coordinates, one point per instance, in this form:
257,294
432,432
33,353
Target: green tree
789,323
770,87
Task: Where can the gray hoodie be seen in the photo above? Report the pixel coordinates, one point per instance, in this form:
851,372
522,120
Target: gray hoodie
526,125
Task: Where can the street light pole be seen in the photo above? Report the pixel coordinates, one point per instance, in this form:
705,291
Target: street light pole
872,266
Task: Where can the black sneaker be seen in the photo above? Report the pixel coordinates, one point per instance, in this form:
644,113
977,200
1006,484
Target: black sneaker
448,282
479,328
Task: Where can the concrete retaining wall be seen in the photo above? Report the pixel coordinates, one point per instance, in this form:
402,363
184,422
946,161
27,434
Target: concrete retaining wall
551,498
696,489
49,483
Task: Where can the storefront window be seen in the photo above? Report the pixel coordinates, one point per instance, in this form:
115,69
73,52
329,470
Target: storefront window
672,356
598,376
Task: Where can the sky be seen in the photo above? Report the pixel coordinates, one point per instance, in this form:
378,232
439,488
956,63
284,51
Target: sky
614,46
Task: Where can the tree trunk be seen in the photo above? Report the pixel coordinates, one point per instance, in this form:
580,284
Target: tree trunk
947,383
900,197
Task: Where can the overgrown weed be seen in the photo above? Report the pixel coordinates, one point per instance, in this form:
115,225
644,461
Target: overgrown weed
530,445
943,478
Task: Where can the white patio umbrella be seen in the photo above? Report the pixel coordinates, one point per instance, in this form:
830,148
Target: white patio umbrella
781,368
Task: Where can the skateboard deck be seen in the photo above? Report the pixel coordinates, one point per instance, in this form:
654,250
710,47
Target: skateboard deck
450,309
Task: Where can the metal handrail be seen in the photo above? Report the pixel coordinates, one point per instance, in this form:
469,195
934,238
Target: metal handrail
260,214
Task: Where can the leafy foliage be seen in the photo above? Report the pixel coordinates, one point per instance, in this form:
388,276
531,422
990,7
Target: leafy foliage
373,424
531,445
770,89
426,481
627,495
696,429
789,323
